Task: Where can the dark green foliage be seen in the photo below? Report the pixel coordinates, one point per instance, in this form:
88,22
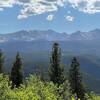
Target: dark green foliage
56,71
1,61
39,71
17,72
75,79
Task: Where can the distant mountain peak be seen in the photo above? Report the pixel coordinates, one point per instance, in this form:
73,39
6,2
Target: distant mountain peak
50,35
96,30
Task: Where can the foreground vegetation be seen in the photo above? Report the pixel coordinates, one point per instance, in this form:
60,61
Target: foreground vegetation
35,89
32,89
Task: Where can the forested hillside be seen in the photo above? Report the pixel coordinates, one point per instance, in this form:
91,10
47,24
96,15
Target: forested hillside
38,53
58,84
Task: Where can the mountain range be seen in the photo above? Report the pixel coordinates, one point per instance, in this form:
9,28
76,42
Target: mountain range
49,35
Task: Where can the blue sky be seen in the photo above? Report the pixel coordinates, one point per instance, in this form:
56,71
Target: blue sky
60,15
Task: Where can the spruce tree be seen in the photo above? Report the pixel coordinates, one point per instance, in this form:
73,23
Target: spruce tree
17,72
75,80
56,71
1,61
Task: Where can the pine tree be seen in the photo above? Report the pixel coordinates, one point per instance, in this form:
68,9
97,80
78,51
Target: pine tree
17,72
1,61
56,71
75,80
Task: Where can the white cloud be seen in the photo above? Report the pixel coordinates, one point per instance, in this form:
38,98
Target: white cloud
86,6
69,18
36,7
33,7
6,3
22,16
50,17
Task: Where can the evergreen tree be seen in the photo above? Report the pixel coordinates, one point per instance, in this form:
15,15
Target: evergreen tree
56,71
1,61
17,72
75,80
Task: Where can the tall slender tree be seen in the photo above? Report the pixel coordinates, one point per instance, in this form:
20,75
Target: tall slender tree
56,71
17,72
1,61
75,80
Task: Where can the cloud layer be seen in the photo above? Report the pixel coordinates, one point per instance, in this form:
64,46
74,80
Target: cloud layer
36,7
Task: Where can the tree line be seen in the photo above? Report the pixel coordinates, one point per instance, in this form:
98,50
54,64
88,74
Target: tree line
55,71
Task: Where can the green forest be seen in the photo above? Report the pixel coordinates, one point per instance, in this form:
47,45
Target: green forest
57,86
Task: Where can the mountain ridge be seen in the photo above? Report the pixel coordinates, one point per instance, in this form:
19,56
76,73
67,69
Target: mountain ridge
49,35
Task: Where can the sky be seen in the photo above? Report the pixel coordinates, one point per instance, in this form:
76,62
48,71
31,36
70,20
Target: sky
59,15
